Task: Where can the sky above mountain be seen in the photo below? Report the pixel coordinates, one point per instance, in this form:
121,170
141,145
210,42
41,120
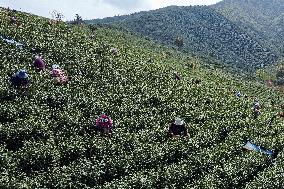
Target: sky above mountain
90,9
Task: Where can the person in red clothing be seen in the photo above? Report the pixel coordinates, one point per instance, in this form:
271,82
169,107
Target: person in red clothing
177,129
39,63
59,77
104,124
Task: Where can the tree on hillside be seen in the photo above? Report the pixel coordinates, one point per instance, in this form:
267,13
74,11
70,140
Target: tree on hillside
179,42
78,19
57,15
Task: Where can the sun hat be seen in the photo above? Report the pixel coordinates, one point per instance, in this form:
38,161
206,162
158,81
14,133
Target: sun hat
178,121
104,117
114,50
22,74
55,66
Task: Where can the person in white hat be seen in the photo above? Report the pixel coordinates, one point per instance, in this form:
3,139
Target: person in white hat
114,51
256,109
20,79
177,129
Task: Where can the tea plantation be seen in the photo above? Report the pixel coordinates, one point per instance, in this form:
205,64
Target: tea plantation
47,137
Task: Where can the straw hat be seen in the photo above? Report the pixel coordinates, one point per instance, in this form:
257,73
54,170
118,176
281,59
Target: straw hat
55,66
179,121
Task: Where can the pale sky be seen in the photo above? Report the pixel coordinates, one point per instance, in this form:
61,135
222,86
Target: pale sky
91,9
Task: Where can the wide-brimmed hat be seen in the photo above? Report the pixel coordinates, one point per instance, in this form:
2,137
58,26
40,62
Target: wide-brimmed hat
22,74
55,66
114,50
179,121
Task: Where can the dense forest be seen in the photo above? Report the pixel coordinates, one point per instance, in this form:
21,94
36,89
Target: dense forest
201,30
264,19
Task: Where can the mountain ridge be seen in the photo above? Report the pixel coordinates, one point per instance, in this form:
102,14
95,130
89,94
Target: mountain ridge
204,31
259,17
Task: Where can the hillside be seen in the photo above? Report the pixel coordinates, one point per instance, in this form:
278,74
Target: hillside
203,32
47,138
263,19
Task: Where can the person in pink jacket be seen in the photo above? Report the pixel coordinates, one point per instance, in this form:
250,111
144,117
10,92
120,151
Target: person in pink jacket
59,77
104,124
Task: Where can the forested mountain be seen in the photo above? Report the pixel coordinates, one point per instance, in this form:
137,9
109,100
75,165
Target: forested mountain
201,30
264,19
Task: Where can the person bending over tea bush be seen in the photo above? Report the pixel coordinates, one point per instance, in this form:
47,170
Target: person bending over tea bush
20,79
59,77
177,129
39,63
104,124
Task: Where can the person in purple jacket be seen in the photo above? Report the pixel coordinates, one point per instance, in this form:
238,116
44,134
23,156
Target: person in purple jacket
177,129
39,63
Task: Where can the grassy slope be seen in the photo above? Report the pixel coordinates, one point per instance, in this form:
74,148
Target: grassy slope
48,138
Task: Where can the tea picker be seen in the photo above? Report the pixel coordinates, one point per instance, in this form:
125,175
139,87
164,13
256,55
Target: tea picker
20,81
59,77
177,76
256,109
104,124
238,94
39,63
177,129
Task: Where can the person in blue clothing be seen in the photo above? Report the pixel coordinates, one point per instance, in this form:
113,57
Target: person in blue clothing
20,79
238,94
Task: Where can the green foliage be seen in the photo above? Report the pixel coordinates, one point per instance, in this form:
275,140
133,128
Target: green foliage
204,32
47,138
261,19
